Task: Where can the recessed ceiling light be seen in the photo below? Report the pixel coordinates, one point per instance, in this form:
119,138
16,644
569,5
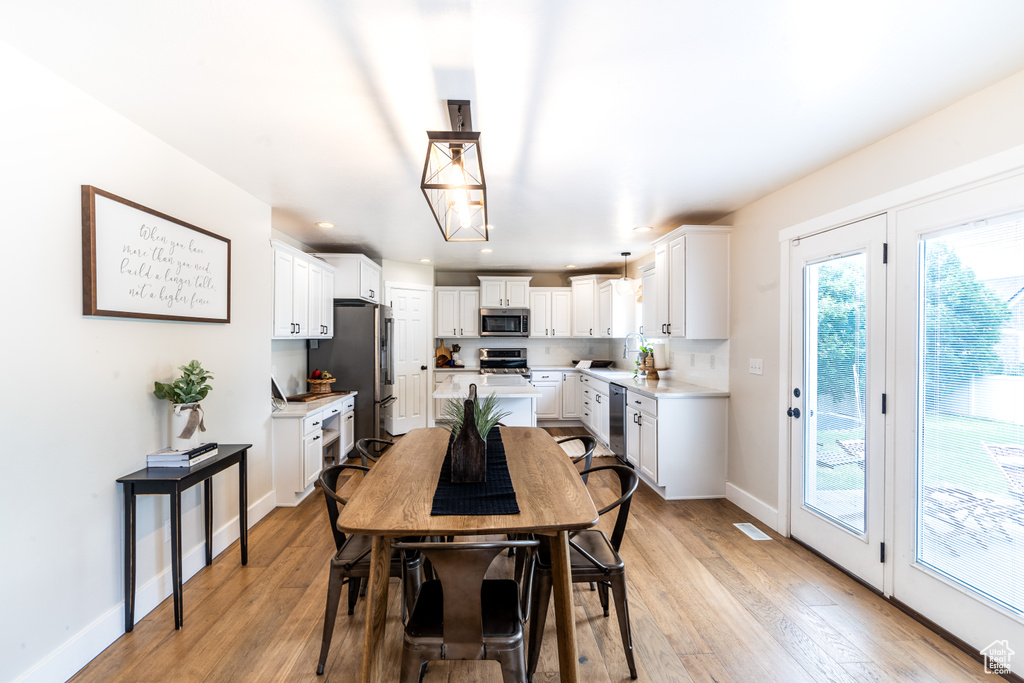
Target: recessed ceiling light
325,225
643,228
486,251
424,260
571,265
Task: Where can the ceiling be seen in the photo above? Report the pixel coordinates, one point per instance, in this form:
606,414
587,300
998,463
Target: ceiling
595,116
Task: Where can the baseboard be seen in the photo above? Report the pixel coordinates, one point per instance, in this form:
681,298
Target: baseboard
764,512
80,649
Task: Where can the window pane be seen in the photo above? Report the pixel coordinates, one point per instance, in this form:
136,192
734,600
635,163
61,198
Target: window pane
836,348
971,398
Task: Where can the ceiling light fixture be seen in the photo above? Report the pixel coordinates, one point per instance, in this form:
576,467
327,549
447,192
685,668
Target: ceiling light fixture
571,265
486,251
624,285
424,260
453,178
324,224
642,228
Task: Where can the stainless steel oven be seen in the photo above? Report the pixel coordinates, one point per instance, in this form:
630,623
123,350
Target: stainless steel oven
504,322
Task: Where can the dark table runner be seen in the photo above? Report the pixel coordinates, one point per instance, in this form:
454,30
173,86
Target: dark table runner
495,496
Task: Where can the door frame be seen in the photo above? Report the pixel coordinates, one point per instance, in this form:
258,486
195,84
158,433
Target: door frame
428,330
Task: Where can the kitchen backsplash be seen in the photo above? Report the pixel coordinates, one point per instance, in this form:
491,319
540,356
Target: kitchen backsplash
539,352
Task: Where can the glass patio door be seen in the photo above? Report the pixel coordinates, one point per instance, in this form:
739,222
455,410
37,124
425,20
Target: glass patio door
837,425
959,523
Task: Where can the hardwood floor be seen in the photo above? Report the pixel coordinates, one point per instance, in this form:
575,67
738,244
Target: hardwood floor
707,603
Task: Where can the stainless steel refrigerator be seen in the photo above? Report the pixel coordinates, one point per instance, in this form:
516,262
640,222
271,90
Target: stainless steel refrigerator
359,356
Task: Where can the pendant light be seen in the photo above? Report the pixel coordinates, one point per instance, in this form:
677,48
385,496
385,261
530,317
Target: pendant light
453,178
624,285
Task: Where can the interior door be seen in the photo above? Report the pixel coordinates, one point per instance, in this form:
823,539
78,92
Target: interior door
836,395
409,346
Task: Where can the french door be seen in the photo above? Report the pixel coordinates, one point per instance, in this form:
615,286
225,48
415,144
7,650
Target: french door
838,285
959,412
410,345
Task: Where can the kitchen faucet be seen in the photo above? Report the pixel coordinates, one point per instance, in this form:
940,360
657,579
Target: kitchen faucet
625,345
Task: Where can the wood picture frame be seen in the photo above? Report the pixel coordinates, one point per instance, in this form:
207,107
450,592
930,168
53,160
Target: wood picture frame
141,263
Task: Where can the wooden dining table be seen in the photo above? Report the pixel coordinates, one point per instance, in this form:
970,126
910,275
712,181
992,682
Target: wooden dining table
394,499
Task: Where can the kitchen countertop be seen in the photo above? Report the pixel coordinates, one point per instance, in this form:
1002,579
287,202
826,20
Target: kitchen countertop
298,409
456,385
662,388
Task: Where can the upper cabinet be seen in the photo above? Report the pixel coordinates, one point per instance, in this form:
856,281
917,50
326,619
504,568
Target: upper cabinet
456,312
649,299
585,321
355,277
691,267
616,309
302,299
550,312
504,292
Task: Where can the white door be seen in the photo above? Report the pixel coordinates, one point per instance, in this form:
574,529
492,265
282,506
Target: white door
517,293
409,345
837,311
959,413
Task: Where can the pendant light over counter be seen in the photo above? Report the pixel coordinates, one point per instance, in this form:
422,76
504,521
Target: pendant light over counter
453,178
625,285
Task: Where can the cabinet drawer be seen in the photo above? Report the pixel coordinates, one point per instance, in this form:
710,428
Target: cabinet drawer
644,404
312,423
587,393
546,376
348,405
332,410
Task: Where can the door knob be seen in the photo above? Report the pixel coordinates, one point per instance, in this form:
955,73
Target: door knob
793,412
423,367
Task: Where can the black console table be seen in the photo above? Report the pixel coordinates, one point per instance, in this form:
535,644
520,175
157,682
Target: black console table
172,481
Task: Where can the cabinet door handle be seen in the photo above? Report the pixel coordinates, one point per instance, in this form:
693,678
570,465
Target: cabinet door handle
453,332
609,331
636,402
316,437
639,419
670,328
641,329
315,424
663,328
591,331
461,333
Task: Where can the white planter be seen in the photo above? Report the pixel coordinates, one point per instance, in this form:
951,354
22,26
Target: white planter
181,413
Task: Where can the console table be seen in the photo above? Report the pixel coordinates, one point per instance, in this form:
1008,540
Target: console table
172,481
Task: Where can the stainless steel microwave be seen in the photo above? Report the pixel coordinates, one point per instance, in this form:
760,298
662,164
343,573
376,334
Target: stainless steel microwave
504,322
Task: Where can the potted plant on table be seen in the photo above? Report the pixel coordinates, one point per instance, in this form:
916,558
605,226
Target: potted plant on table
185,393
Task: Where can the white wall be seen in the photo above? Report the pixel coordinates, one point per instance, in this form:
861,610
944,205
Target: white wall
407,273
77,407
983,125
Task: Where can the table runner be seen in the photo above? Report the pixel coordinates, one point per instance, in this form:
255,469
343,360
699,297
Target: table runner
495,496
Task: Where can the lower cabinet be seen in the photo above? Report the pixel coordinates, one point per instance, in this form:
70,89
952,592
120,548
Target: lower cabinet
571,395
300,440
549,383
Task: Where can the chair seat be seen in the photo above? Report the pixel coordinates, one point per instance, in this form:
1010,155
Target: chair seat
499,602
356,545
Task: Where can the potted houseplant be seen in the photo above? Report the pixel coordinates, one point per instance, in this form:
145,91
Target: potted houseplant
185,393
470,421
646,352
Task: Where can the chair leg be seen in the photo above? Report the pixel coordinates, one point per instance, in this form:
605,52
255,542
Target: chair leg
602,594
413,666
538,615
334,585
353,594
618,585
513,666
525,580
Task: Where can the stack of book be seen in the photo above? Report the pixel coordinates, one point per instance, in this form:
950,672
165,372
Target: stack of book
168,457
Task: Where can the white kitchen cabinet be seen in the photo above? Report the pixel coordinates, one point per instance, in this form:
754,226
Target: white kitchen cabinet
504,292
594,407
551,312
327,314
616,311
355,277
456,312
692,266
584,304
312,457
633,436
570,395
301,303
649,299
549,382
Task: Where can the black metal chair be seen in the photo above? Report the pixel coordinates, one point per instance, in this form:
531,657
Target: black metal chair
351,563
589,444
593,557
461,615
367,451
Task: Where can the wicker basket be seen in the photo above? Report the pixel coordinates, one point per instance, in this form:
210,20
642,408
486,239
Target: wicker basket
320,386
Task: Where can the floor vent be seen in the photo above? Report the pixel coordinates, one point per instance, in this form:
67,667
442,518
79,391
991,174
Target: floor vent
752,531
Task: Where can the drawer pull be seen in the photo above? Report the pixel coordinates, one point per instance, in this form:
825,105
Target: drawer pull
316,437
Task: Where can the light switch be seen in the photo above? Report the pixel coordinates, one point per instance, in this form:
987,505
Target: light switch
756,367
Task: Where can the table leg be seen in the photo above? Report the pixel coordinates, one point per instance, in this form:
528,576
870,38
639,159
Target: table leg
179,610
376,610
243,507
208,519
565,622
128,490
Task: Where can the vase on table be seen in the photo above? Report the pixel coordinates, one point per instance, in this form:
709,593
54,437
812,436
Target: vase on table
186,423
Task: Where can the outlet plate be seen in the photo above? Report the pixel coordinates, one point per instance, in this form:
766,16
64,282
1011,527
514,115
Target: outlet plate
756,366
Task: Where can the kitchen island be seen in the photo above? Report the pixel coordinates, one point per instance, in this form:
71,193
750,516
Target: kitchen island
514,393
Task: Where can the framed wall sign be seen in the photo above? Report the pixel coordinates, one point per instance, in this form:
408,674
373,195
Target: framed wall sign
140,263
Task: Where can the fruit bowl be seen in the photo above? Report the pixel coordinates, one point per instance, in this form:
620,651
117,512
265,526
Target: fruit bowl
320,386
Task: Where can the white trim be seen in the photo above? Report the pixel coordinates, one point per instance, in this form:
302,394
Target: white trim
781,524
81,648
752,505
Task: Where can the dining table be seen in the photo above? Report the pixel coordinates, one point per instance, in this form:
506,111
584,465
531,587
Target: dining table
395,498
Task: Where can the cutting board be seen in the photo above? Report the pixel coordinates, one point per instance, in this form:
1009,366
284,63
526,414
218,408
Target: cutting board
305,398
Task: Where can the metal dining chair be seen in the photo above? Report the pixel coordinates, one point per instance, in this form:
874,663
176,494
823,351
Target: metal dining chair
593,557
351,562
367,450
462,615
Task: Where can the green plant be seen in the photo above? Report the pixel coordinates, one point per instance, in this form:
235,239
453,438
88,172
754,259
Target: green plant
485,413
191,387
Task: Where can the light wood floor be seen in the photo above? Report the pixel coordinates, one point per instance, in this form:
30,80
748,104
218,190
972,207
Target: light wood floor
707,603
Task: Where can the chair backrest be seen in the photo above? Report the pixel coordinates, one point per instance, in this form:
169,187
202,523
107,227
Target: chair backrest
589,444
329,485
461,568
628,481
368,451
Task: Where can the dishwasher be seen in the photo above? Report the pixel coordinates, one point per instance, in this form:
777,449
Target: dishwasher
617,421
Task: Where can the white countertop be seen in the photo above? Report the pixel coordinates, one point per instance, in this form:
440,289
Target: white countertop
456,385
662,388
302,409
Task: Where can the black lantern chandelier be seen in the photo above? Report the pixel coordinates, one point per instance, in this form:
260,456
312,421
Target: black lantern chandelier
453,178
